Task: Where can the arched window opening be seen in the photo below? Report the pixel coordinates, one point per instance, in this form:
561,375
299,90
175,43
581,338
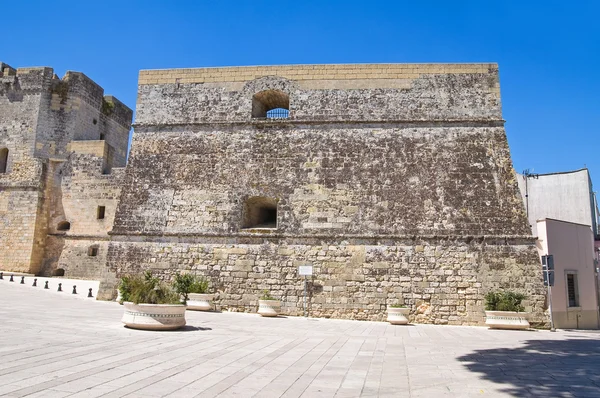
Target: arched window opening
93,251
260,212
58,272
3,160
271,104
63,226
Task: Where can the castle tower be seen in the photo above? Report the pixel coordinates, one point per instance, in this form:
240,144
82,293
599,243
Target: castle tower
394,181
60,140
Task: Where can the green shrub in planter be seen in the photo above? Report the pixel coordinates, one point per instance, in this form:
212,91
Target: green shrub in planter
185,284
267,296
504,301
146,289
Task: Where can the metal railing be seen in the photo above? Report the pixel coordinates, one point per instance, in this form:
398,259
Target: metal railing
278,113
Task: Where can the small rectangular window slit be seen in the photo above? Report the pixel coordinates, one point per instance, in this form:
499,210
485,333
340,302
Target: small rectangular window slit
101,211
93,251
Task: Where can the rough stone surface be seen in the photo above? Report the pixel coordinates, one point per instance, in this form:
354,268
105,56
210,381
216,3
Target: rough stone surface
394,181
64,137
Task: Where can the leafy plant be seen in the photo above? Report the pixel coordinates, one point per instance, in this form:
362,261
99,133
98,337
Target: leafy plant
146,289
397,306
267,296
504,301
185,284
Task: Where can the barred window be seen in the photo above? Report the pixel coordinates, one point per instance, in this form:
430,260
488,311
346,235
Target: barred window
271,104
572,290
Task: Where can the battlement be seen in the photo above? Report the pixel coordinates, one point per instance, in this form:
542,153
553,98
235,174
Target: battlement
78,86
117,111
66,93
303,73
6,70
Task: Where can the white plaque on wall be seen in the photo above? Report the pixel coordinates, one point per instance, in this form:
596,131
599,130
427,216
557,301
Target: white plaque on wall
306,270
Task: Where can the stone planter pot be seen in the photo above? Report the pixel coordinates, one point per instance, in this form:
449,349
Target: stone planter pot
269,307
154,316
507,320
397,316
200,301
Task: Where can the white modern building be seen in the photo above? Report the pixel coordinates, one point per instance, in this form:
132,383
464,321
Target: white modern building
563,214
566,196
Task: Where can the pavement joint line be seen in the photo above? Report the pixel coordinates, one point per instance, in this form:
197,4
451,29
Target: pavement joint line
89,372
74,350
255,364
328,344
321,367
295,365
75,376
155,380
46,361
259,364
222,367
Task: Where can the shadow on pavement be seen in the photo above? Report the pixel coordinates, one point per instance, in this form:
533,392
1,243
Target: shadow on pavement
547,368
190,328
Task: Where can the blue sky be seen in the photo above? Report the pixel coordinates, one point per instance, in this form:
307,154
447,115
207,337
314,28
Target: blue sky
548,51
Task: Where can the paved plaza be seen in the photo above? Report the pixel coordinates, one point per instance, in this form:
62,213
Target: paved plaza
55,346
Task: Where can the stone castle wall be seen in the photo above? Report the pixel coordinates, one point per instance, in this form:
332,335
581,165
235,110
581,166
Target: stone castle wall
43,122
394,181
84,189
331,180
21,185
442,280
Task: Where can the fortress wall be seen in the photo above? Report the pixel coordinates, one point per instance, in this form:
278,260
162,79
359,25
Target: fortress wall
338,180
442,281
394,181
40,115
18,209
84,189
20,186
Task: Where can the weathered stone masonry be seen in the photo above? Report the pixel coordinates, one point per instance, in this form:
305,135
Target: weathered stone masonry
66,142
394,181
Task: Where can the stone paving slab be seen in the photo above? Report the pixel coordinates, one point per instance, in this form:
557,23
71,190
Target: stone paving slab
54,346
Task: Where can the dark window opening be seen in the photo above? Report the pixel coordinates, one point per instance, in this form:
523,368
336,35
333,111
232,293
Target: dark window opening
101,211
3,160
572,293
101,136
260,212
63,226
93,251
58,272
271,104
95,121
